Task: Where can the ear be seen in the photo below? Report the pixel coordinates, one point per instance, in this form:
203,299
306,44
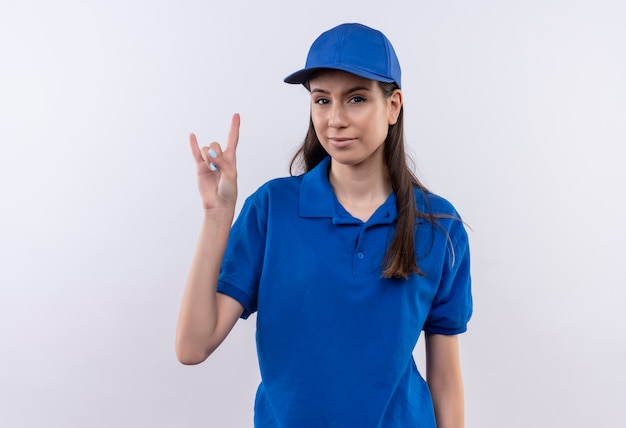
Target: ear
394,102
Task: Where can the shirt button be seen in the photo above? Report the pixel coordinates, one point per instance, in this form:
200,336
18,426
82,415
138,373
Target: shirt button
360,255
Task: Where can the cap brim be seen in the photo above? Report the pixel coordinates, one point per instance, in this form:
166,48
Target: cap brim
303,76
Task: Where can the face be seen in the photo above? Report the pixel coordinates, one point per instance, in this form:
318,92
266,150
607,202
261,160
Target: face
351,116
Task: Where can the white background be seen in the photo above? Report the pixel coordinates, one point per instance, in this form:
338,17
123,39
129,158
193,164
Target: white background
515,111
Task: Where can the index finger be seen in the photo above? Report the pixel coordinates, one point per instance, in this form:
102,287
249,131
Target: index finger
233,133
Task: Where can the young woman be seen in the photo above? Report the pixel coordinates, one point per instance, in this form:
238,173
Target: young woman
344,264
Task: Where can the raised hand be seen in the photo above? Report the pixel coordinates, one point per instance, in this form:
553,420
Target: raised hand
217,169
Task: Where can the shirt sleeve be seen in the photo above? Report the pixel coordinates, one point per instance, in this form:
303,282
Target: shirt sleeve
243,259
452,307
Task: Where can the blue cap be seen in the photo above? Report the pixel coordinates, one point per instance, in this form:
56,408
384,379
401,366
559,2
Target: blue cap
354,48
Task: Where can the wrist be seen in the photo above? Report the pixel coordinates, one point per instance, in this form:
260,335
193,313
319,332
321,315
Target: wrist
220,215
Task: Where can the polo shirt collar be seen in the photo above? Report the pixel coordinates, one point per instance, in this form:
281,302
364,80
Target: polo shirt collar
317,200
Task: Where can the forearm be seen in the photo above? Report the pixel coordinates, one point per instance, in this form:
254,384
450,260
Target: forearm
443,374
198,318
448,401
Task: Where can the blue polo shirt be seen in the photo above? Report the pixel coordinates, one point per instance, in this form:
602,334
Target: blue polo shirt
334,338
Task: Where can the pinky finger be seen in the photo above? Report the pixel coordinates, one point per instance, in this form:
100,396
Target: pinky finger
195,149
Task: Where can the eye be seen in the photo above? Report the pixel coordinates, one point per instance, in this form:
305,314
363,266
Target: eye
321,101
357,99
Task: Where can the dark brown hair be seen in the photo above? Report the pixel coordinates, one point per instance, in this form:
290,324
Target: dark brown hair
400,260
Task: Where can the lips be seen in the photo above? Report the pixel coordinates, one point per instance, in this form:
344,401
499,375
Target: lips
341,143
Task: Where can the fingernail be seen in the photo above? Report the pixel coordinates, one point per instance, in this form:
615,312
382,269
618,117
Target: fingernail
212,153
212,167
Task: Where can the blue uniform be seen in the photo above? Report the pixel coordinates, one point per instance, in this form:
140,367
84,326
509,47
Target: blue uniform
334,338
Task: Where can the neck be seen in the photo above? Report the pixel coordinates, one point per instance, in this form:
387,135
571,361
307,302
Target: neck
360,189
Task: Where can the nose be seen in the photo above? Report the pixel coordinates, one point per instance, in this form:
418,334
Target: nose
337,117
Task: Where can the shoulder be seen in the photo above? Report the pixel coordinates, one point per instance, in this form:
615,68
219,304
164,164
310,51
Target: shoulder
278,192
278,187
431,203
439,212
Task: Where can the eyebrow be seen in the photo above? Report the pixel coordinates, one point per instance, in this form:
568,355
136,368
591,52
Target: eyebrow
349,91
